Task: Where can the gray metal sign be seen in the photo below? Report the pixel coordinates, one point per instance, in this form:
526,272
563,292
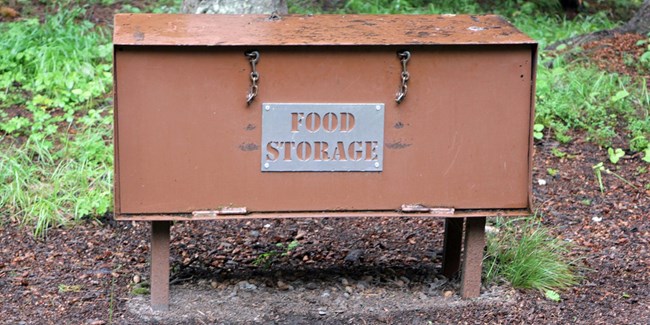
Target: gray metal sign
305,137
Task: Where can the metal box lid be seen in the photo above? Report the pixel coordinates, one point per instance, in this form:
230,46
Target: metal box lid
314,30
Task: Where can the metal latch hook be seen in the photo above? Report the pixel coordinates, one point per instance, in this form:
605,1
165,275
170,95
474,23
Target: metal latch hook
253,57
404,57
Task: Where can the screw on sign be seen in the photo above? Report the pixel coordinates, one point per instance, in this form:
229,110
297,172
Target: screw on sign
464,130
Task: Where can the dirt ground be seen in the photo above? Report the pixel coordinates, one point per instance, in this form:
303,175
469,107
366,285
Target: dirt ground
372,270
357,271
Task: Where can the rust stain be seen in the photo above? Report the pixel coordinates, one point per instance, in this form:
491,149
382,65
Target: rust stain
248,147
397,145
138,36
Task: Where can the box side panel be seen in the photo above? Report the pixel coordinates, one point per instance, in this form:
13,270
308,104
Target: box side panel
188,141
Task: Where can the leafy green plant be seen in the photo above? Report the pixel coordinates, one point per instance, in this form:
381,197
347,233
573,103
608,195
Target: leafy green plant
600,168
537,131
593,101
558,153
53,69
552,295
646,155
267,258
552,171
529,256
615,154
645,57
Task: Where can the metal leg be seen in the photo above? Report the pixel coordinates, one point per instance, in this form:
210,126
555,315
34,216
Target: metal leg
473,261
451,250
160,265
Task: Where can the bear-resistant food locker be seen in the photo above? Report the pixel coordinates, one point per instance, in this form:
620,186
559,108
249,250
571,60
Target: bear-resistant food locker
254,116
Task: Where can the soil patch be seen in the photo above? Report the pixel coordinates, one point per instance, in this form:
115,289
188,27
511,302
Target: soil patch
372,270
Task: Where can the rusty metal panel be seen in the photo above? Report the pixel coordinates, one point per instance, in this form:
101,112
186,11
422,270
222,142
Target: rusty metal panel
355,30
187,141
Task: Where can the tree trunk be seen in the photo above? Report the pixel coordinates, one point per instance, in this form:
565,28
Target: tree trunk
639,24
234,6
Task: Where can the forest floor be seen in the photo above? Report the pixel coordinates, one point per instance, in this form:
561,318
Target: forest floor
370,270
355,270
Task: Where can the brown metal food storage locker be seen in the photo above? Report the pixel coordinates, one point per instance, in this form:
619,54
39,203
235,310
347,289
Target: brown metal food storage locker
319,132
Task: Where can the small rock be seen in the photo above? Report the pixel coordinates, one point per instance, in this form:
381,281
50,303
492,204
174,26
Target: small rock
322,311
95,322
399,283
448,294
136,279
325,294
491,230
344,281
349,289
311,286
423,296
541,182
354,256
254,233
214,284
300,235
282,285
267,226
361,285
305,258
246,286
597,219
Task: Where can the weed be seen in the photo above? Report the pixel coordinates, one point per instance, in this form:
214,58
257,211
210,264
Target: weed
552,172
45,187
267,258
615,155
63,288
646,155
526,254
537,131
593,101
62,65
140,291
600,168
558,153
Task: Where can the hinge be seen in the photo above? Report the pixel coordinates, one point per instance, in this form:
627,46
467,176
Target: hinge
414,208
221,212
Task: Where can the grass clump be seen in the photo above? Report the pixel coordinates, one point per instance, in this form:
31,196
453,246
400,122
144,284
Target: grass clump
598,102
44,188
56,153
527,255
53,69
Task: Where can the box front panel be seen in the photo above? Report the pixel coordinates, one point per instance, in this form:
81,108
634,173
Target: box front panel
188,141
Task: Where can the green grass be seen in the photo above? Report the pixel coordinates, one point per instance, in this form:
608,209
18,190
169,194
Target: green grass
600,103
47,188
528,256
62,65
55,74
